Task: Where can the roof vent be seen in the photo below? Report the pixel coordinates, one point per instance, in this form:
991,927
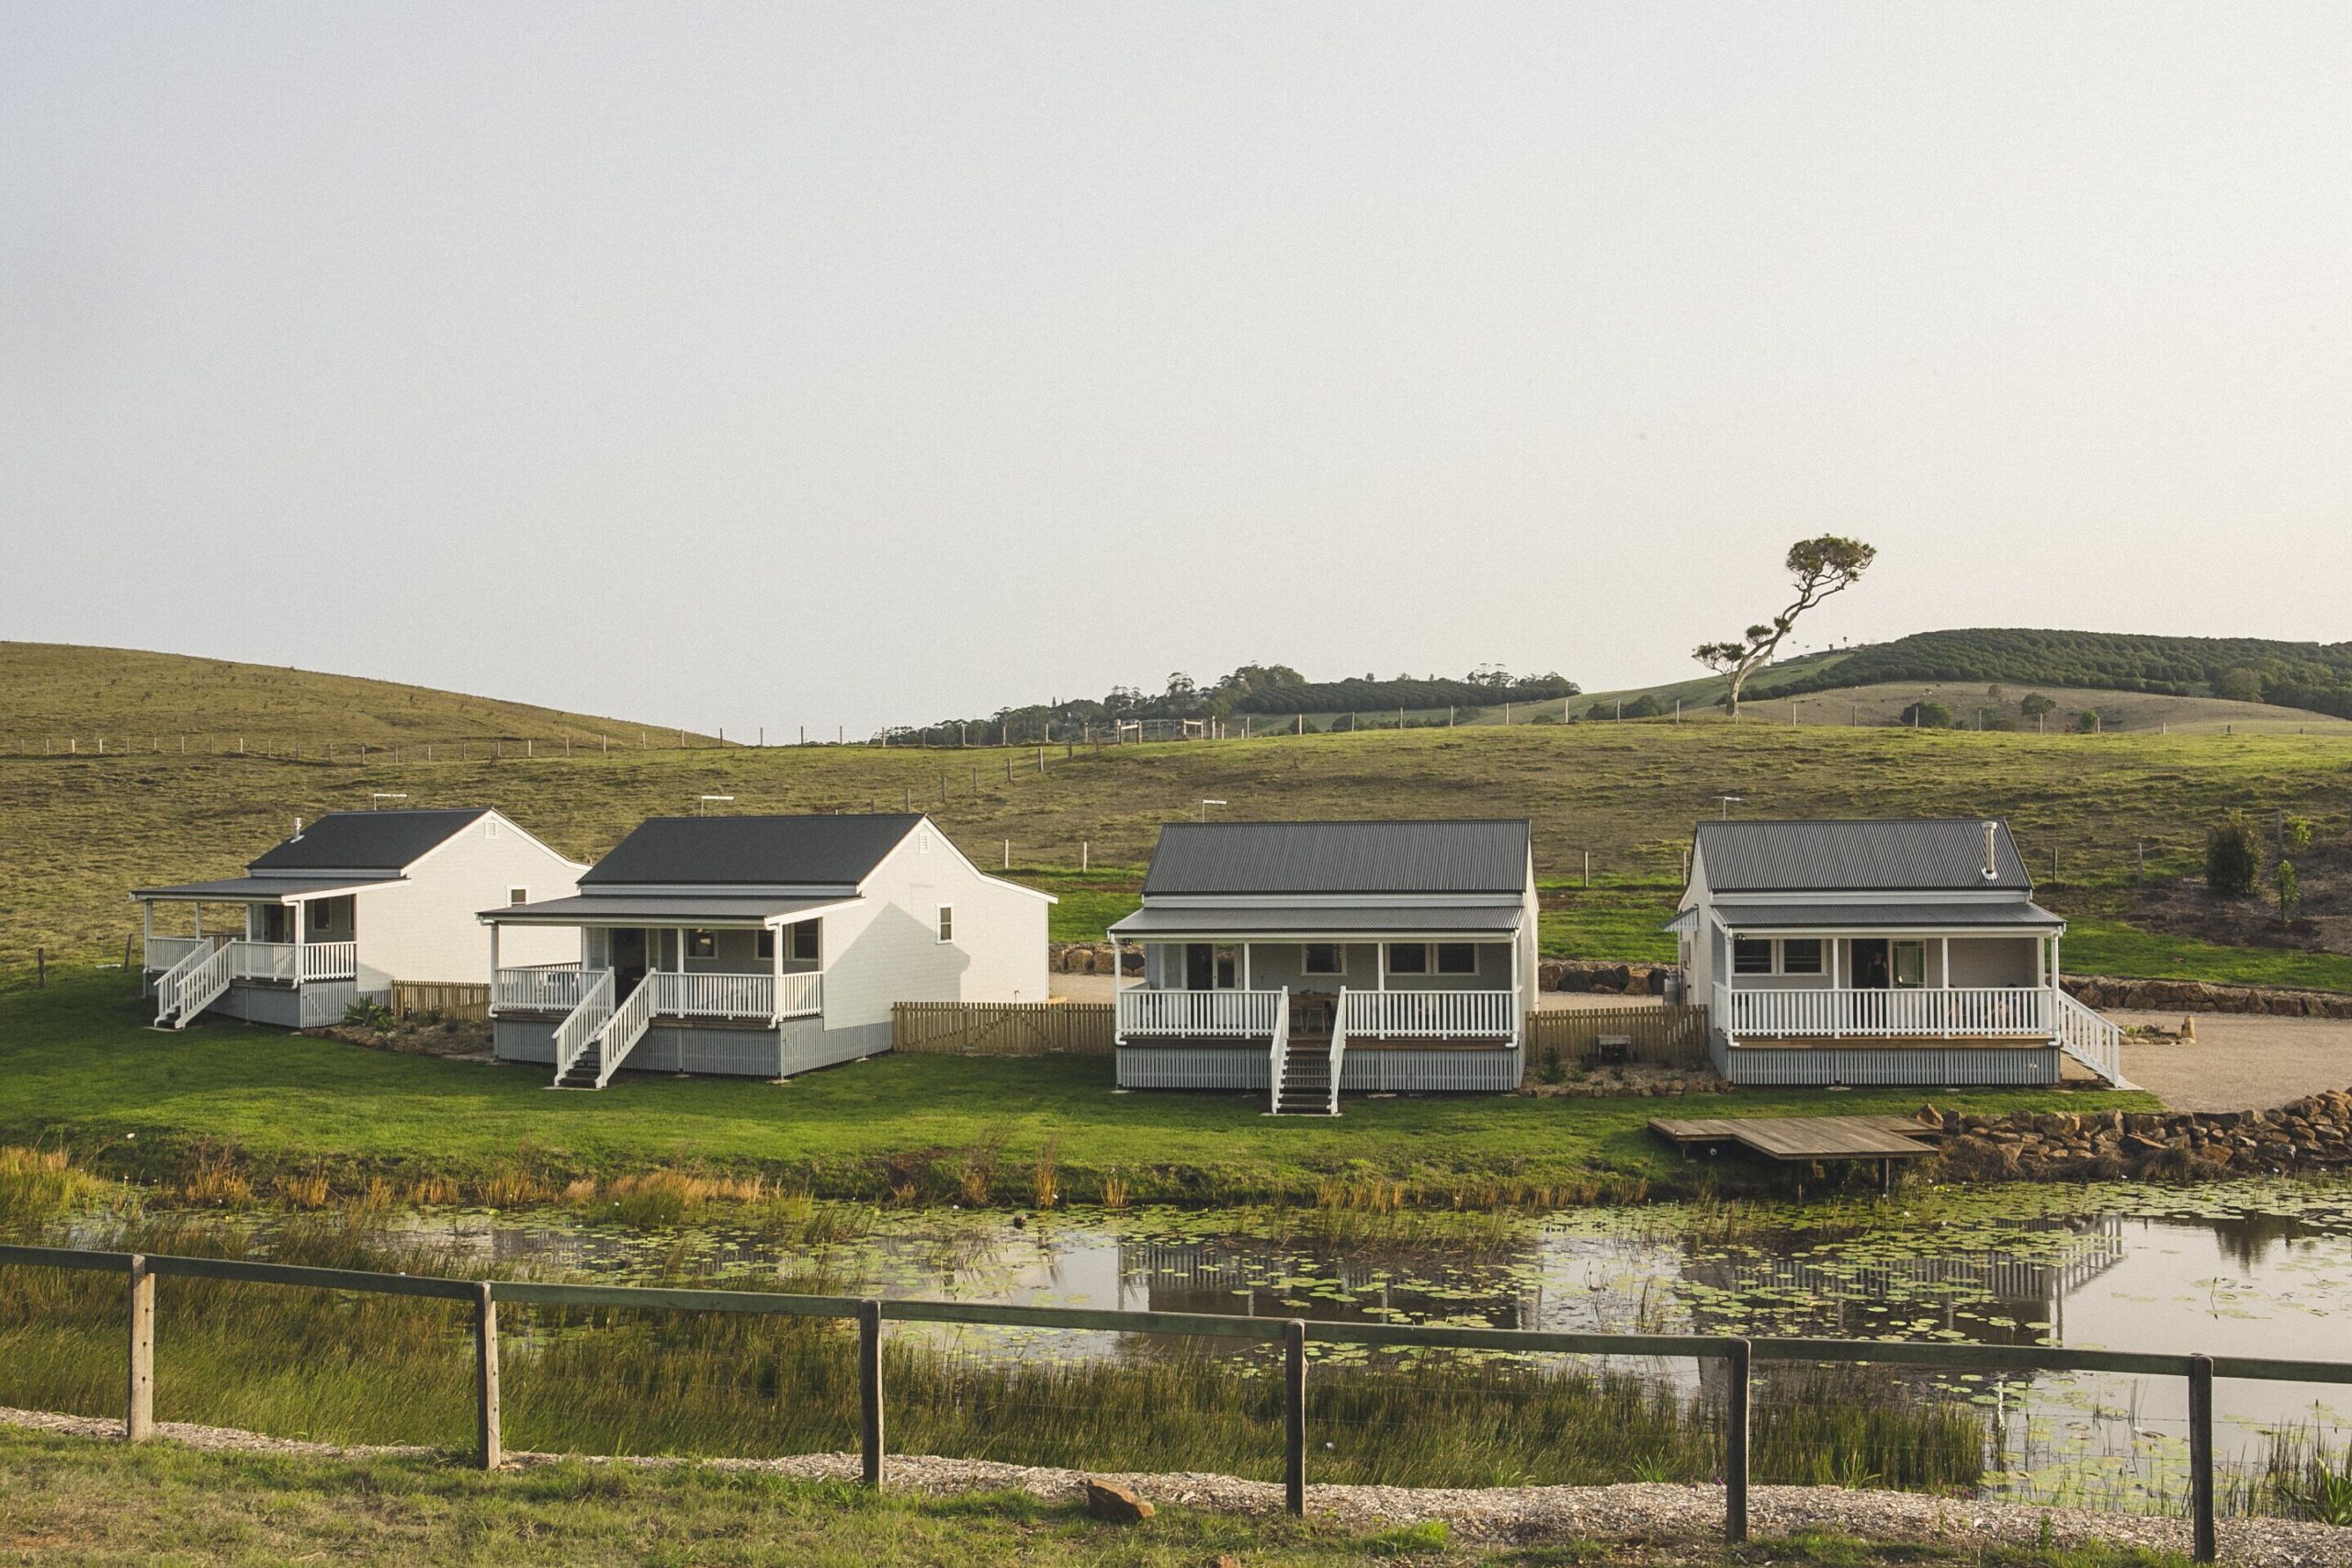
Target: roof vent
1992,868
298,831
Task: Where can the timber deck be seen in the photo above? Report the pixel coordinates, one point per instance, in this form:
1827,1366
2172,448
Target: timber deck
1805,1137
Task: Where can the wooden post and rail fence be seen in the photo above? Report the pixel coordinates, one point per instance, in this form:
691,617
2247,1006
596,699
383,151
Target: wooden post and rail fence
1738,1356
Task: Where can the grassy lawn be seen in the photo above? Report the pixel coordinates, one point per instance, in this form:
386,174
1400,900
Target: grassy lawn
83,1069
81,1501
2110,947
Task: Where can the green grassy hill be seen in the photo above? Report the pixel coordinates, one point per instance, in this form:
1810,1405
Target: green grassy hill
58,694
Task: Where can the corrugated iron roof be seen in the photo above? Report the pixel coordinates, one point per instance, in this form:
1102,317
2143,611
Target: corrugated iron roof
1339,857
368,840
1222,922
2020,914
1915,856
655,908
260,890
821,850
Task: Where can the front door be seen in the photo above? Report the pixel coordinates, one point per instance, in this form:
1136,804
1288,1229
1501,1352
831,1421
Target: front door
628,961
1199,966
1873,972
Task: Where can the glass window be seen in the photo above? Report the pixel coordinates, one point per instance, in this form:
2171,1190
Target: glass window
947,923
1321,958
1910,963
1751,955
702,944
323,916
764,944
1800,955
804,940
1457,958
1408,958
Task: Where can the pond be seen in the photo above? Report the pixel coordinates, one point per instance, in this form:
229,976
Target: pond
2256,1269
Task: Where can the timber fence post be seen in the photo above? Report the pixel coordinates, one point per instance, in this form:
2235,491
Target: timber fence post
1735,1399
139,1407
2200,1454
1295,1417
492,1446
869,1388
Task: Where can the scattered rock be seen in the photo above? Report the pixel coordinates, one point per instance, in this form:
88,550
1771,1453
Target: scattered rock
2313,1133
1119,1504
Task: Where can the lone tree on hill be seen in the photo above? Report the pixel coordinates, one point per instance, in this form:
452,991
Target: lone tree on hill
1819,568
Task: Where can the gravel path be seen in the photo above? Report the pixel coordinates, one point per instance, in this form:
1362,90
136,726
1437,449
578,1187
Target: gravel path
1517,1516
2241,1061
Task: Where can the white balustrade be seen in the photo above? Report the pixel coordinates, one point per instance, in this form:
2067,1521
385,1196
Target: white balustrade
1201,1014
2096,1042
800,996
1429,1015
712,994
328,961
166,952
540,988
585,1023
1969,1011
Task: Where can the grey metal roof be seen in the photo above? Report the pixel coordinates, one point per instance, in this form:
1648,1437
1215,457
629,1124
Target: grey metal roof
710,851
2016,914
1232,922
353,840
259,890
1862,857
1339,857
653,910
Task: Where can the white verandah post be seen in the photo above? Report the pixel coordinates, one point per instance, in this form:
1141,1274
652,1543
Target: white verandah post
493,961
775,971
1945,959
1245,967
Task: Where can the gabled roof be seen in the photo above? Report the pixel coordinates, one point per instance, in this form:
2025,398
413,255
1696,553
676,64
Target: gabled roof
1433,857
824,851
1917,856
366,840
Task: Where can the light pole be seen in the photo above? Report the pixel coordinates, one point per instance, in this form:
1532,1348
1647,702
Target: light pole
1729,801
702,801
1205,808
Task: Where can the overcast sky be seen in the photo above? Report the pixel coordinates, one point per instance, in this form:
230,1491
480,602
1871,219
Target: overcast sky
784,364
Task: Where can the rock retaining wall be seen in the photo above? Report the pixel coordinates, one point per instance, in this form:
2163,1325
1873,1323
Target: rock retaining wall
2058,1145
2195,996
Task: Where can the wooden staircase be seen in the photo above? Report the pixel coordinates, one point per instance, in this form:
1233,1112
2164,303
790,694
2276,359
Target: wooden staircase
1305,1086
584,1070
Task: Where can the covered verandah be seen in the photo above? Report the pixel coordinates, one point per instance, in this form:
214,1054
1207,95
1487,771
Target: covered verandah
714,960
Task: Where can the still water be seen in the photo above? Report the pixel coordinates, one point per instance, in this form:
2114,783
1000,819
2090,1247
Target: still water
2256,1269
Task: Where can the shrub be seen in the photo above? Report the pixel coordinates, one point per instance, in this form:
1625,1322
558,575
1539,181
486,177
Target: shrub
364,1014
2087,722
1927,715
2232,856
2282,883
2034,706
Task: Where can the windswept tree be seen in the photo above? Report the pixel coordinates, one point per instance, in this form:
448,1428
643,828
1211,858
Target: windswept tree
1819,568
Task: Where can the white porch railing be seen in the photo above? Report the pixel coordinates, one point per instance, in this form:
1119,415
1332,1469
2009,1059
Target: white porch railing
1242,1015
166,952
540,988
1961,1012
587,1020
1429,1015
292,963
2097,1042
800,996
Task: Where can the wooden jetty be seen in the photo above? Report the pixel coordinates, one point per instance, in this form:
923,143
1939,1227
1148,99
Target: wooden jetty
1808,1139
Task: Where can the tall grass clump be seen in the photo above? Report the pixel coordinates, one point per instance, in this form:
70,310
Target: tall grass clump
38,1187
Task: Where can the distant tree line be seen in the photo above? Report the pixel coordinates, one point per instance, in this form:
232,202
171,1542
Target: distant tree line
2309,675
1251,689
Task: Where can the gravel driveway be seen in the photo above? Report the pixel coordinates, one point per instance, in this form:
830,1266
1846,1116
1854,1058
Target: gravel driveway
2240,1061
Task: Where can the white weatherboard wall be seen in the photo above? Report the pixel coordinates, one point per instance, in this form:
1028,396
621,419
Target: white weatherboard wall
424,928
885,947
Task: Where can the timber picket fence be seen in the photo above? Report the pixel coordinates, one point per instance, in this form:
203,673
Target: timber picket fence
1739,1356
1663,1036
435,999
1001,1029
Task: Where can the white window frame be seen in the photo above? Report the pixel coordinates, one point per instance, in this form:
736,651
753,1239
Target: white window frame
1422,968
1337,951
947,924
1437,957
763,943
1771,955
1820,961
518,896
815,954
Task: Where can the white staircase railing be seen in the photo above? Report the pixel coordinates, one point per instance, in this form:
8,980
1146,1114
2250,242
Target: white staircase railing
192,985
1338,1047
1277,1051
2097,1042
584,1023
621,1031
1429,1015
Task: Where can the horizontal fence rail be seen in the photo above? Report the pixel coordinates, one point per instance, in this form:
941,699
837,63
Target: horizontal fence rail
142,1271
1661,1036
2023,1011
1001,1029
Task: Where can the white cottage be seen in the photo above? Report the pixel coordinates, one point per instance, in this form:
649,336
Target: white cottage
1304,958
347,906
759,945
1879,953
